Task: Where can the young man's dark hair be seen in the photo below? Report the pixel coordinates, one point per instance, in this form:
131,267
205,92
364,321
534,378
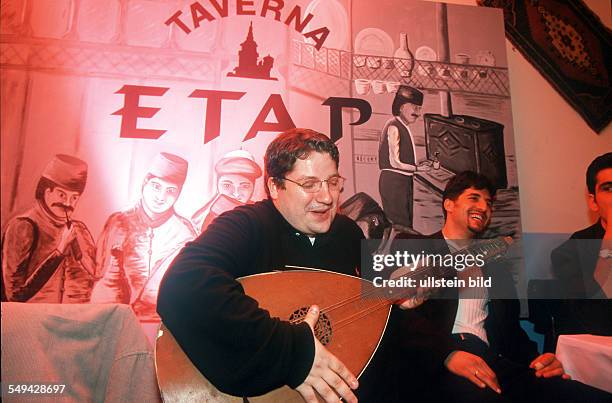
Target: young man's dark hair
291,145
465,180
600,163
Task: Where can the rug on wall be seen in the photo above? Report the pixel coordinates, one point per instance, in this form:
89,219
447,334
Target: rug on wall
570,47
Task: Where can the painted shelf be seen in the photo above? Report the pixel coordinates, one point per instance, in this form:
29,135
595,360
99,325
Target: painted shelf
428,75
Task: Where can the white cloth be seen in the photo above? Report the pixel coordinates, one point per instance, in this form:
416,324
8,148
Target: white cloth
587,358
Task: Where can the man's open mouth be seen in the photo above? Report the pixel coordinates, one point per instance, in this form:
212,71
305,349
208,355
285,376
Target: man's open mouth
480,217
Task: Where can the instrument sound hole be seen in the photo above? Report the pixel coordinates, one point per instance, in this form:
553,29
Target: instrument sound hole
322,330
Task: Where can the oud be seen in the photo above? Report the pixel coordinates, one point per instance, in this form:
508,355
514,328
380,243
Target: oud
349,306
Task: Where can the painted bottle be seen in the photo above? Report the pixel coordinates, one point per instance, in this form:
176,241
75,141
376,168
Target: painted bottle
403,57
436,160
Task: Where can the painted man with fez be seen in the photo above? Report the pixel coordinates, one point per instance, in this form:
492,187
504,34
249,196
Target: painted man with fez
236,172
46,255
397,158
137,244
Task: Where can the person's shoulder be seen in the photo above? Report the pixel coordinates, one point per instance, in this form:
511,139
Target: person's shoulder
246,216
20,225
199,214
595,231
80,225
22,217
118,216
344,220
347,225
391,122
409,235
185,223
124,219
257,209
579,241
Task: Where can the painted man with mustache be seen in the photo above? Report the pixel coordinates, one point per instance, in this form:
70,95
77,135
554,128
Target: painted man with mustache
229,338
397,158
137,244
46,255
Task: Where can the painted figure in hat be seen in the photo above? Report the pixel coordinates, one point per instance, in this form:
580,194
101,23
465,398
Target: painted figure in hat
46,255
236,172
137,244
397,158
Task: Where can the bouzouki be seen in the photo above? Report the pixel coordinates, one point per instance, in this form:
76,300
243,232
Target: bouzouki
353,318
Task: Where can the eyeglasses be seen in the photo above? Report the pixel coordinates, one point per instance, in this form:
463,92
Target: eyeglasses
334,183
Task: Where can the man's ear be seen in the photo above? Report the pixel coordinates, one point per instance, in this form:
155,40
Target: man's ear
593,206
273,188
448,205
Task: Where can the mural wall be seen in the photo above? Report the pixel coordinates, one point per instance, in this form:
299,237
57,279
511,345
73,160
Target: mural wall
128,125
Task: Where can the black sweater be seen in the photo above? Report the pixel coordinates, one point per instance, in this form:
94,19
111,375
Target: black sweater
233,342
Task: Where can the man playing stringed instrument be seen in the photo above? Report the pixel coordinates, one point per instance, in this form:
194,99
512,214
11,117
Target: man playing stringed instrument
229,338
473,348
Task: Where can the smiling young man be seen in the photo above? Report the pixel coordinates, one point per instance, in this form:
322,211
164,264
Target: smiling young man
229,338
472,346
137,245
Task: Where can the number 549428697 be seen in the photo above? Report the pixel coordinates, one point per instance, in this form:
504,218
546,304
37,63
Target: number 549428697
35,388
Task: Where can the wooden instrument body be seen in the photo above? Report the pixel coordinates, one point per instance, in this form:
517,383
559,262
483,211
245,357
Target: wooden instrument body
350,326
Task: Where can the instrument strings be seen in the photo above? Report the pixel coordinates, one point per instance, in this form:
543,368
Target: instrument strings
492,249
372,307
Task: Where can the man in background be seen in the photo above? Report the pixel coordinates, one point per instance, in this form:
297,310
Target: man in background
46,255
583,264
467,344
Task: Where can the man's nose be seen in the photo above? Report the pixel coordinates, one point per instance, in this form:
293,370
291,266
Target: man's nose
324,195
161,197
483,205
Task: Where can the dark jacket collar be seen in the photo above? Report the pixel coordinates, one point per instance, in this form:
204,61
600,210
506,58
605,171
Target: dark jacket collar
595,231
320,238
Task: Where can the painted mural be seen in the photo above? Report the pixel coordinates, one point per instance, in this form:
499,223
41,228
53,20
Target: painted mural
129,125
